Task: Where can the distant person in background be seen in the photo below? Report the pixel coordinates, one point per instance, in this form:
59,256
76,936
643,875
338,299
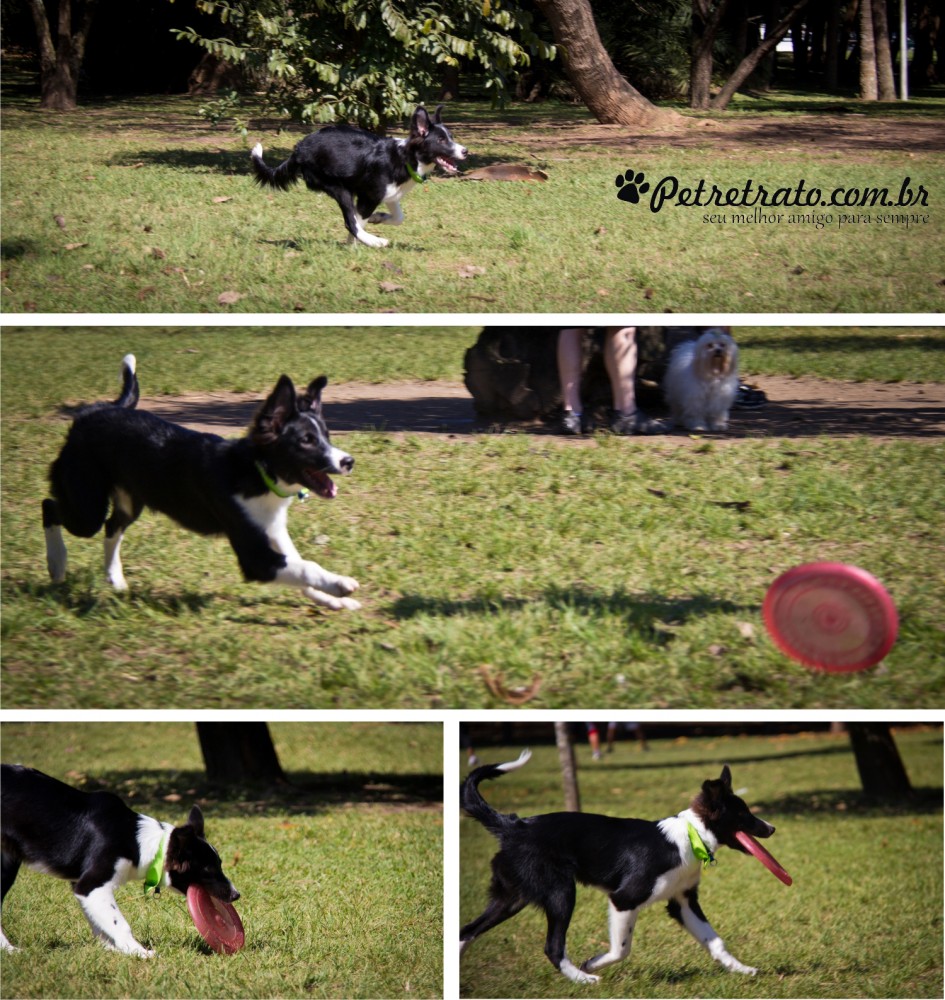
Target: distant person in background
633,728
620,360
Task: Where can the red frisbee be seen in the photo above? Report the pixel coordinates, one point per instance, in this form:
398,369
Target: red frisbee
831,616
218,923
753,847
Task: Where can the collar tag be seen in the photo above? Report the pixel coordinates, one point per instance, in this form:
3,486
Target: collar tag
699,849
274,487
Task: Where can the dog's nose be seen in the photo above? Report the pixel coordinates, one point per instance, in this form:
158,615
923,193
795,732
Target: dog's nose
347,464
234,895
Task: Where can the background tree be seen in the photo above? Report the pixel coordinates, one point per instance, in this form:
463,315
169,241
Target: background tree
706,20
61,54
572,799
239,753
607,94
367,61
878,761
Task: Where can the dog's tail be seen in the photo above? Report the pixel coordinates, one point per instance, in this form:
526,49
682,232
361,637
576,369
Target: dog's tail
128,399
476,806
281,177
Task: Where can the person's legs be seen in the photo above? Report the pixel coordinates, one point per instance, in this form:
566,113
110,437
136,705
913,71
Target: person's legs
570,358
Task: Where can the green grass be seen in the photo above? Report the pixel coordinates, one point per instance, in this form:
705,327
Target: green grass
161,216
614,571
341,887
862,919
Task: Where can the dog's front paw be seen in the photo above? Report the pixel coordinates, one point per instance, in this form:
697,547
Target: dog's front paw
344,585
331,602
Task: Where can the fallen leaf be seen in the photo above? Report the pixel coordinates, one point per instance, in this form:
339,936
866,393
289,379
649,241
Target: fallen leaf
220,199
649,293
145,292
229,298
74,246
389,286
745,629
732,504
158,253
60,221
513,696
470,271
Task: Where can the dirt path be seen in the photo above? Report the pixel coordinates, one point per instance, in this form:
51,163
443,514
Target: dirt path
797,408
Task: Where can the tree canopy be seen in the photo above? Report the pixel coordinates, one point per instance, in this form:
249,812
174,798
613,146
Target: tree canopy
367,61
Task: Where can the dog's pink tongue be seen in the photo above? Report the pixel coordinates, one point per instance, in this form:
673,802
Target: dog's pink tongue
768,860
323,485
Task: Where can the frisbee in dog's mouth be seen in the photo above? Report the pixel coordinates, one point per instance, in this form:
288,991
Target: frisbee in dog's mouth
218,923
320,484
768,860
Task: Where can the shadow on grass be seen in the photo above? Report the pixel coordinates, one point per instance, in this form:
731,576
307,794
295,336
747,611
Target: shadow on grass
85,597
842,802
641,611
169,794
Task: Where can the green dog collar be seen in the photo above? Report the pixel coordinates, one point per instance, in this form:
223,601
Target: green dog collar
155,872
699,849
274,487
419,178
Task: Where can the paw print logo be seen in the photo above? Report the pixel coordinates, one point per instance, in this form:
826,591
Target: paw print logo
631,186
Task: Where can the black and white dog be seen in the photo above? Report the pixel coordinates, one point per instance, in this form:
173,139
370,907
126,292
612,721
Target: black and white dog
363,171
96,842
127,459
636,862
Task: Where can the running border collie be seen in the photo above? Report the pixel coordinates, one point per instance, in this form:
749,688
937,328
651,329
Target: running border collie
118,457
363,171
96,842
636,862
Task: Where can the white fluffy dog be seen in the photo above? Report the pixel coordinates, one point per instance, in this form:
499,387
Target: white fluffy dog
702,380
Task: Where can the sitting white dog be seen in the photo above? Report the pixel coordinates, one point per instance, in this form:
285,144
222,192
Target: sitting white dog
702,380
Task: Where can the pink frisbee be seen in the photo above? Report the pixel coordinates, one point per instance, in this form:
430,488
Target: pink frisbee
753,847
831,616
218,923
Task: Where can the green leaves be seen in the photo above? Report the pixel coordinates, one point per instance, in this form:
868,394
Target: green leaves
378,57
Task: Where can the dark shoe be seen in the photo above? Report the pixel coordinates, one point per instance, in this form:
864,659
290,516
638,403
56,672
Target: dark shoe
571,423
637,423
749,399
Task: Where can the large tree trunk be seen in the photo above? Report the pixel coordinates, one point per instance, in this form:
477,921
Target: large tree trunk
608,96
239,753
877,759
869,88
750,63
705,27
60,59
884,65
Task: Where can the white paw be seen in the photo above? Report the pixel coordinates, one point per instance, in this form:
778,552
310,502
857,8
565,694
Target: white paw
344,585
370,240
257,150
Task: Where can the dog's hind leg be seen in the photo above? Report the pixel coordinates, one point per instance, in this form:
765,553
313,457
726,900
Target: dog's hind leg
123,514
620,924
686,910
498,910
558,906
56,558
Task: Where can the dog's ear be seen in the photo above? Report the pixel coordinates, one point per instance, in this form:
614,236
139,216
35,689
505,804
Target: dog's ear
195,820
312,399
420,124
436,114
715,789
273,415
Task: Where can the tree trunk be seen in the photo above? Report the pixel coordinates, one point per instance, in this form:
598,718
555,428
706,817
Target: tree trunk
877,759
608,96
884,62
748,65
238,753
832,65
572,800
869,88
705,27
61,59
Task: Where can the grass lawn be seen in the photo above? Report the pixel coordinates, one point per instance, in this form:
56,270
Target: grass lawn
340,874
625,572
157,212
862,919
